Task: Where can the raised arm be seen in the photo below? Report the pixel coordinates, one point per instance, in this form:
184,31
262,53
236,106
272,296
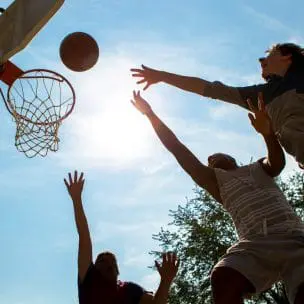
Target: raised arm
167,271
201,174
274,163
215,90
186,83
74,187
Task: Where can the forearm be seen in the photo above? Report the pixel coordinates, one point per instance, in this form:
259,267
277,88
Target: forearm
275,153
201,174
166,136
162,293
80,218
186,83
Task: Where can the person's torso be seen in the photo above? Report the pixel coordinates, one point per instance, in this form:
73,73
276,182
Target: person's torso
255,203
93,291
284,99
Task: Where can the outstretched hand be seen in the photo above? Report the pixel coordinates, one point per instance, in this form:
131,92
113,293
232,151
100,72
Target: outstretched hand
148,75
140,104
75,186
169,267
260,119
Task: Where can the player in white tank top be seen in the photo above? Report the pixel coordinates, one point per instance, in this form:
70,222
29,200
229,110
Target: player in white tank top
270,233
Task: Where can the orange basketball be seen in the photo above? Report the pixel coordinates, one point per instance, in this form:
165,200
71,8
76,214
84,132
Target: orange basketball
79,51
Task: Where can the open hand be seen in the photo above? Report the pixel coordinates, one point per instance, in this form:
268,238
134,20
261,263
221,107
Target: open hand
169,267
75,185
140,104
260,119
148,75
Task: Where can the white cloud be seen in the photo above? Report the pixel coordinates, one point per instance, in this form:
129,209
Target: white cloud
150,281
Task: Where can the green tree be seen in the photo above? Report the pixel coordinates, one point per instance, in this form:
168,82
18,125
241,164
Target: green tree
200,232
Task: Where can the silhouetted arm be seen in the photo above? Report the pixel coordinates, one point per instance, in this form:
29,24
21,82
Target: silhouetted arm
85,245
274,163
216,89
201,174
167,270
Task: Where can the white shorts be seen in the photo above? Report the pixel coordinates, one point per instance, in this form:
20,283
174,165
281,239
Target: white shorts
269,259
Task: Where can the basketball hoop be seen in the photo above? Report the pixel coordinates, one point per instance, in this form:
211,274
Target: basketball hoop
38,100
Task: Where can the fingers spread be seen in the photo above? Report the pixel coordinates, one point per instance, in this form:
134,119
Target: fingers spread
261,102
251,117
66,183
141,81
146,87
138,75
136,70
70,178
81,177
250,105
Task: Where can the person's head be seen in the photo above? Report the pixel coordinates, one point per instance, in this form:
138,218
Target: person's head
106,264
281,58
222,161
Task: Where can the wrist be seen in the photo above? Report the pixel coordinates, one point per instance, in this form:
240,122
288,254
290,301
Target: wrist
76,199
166,282
149,113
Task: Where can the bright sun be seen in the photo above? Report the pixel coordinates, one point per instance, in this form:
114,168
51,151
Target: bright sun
106,126
114,132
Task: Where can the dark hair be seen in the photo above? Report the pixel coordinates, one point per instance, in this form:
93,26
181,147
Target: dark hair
108,253
297,55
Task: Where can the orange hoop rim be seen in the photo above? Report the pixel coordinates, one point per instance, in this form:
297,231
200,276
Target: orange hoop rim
22,75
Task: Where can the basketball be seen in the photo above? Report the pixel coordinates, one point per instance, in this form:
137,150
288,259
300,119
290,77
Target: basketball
79,51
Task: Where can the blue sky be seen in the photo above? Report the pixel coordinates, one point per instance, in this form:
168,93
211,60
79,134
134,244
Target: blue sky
131,180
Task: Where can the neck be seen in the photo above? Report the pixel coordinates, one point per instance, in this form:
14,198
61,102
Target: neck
283,71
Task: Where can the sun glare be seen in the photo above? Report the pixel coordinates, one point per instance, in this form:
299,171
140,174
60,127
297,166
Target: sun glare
108,126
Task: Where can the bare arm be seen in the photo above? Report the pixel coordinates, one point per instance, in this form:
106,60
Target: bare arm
215,90
274,163
186,83
167,270
85,245
201,174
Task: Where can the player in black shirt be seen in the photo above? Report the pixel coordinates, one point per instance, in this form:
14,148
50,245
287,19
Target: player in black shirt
98,282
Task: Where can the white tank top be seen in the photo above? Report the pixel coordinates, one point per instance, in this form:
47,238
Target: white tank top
255,202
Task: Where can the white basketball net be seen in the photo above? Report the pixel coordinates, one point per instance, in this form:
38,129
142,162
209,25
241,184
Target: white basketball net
39,100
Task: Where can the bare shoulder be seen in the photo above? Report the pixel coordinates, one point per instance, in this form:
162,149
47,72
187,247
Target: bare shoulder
207,180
